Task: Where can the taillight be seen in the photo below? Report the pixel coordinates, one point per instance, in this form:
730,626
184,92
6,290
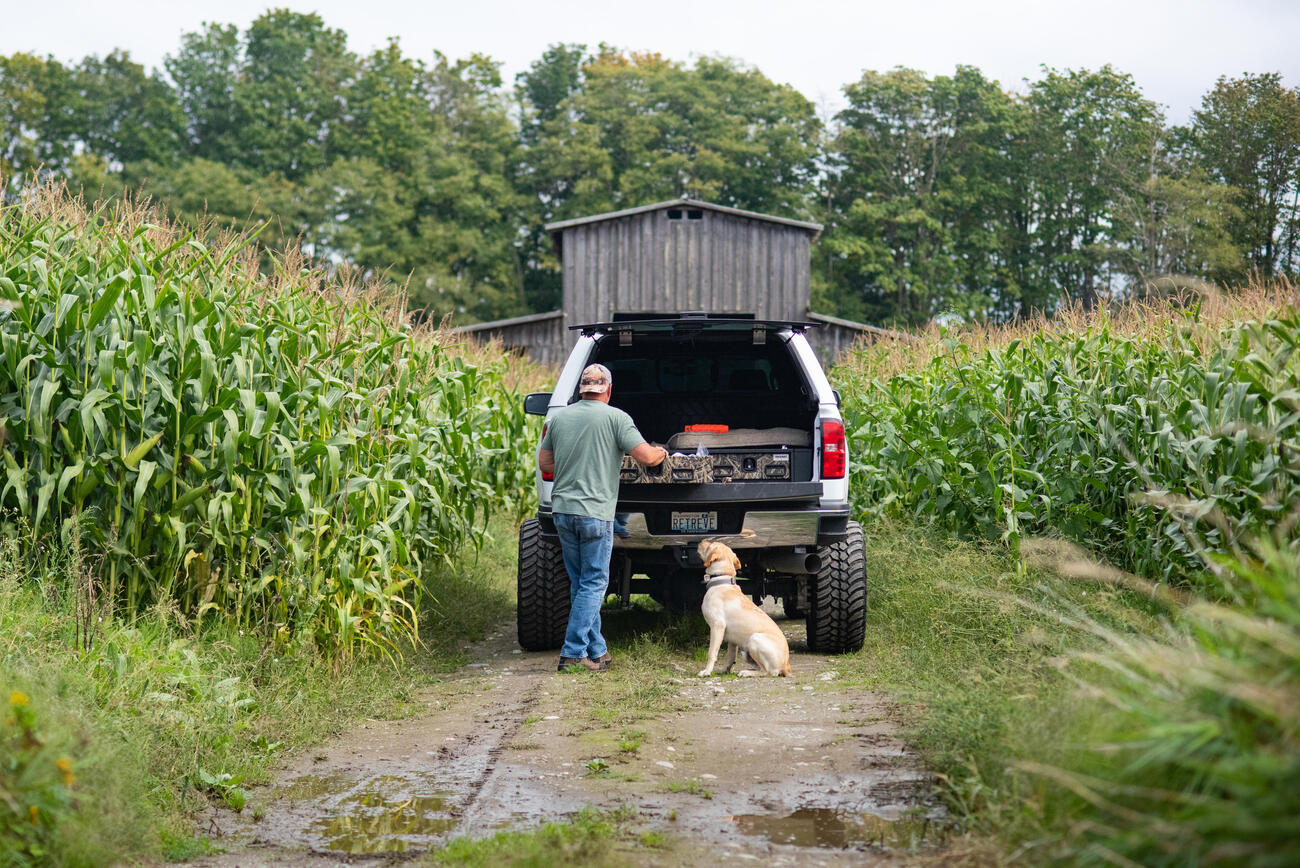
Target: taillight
835,453
546,477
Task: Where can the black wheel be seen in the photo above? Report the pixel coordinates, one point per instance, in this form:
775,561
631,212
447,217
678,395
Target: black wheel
542,612
837,597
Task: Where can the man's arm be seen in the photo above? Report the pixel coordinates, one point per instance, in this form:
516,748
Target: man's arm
546,460
649,456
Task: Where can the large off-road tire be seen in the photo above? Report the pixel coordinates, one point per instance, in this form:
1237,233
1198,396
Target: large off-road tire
837,597
543,603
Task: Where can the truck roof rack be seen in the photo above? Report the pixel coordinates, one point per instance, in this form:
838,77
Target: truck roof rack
690,321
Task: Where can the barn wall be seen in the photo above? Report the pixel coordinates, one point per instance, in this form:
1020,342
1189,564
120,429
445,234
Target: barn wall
541,337
831,341
720,263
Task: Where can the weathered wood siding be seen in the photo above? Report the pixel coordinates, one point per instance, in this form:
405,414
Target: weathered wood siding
719,263
832,340
541,337
837,335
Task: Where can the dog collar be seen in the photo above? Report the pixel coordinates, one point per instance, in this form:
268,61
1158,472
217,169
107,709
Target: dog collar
725,580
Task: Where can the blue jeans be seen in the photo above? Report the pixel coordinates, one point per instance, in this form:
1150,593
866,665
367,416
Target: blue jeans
587,544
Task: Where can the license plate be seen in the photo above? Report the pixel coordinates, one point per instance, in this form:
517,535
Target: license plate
694,522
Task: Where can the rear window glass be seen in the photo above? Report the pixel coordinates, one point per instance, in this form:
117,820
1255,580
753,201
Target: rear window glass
680,375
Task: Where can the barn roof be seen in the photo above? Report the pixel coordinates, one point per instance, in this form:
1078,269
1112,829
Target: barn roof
556,228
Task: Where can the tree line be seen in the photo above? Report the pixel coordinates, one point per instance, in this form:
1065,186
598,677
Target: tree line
942,194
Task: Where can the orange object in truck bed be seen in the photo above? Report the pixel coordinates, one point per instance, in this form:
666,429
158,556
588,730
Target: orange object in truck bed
710,429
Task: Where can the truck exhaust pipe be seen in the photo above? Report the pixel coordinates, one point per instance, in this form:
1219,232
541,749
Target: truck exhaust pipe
793,562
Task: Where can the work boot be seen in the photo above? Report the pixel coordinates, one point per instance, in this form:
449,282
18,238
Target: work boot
577,664
605,660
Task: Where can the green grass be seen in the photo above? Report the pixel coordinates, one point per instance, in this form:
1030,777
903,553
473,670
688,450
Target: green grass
588,838
650,649
1075,713
151,707
691,786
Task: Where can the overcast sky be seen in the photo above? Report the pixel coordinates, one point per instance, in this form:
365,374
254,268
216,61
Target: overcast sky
1175,49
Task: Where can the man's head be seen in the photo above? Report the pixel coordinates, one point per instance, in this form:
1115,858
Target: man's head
595,382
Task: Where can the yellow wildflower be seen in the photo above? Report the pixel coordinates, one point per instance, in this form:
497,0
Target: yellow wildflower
35,813
18,698
64,765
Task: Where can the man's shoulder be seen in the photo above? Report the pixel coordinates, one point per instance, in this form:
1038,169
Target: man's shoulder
596,408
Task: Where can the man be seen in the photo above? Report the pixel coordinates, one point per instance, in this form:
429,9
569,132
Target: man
583,446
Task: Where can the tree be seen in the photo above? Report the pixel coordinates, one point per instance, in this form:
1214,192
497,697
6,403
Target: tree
206,76
421,185
916,197
637,128
206,194
621,129
291,93
1247,135
269,101
1170,224
1089,132
38,117
126,116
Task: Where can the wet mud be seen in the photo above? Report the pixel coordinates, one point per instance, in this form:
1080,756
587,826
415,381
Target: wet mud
799,771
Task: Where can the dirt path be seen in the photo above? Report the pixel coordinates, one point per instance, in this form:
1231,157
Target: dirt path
796,771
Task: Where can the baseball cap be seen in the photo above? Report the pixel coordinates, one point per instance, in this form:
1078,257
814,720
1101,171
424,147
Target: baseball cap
595,380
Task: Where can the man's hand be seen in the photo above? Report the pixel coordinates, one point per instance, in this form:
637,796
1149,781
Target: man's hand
649,456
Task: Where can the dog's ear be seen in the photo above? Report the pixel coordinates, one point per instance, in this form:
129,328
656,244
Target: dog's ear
735,562
710,552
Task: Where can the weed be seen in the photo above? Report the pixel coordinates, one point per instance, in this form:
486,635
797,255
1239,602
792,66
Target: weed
588,838
690,786
630,740
654,839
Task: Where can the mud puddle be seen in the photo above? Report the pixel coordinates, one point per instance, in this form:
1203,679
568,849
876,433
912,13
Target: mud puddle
799,771
830,829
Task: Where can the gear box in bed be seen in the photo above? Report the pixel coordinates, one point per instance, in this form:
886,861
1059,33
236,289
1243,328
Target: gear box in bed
742,454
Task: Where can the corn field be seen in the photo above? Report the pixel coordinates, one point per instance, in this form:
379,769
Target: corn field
1155,446
284,451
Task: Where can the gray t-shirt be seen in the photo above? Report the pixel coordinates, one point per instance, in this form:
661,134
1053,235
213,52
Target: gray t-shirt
589,439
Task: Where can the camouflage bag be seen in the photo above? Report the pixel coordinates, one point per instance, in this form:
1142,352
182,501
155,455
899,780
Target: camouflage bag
731,466
678,469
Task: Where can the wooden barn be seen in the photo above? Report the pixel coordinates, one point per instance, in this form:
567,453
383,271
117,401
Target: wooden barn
675,256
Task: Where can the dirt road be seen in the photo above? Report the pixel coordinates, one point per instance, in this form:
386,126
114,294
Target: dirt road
802,771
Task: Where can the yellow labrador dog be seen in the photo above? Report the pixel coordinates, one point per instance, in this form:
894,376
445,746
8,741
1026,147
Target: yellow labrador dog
734,617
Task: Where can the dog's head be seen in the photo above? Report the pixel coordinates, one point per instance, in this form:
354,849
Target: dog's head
719,559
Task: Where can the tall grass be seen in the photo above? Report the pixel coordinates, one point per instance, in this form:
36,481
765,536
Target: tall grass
1112,430
286,451
1201,729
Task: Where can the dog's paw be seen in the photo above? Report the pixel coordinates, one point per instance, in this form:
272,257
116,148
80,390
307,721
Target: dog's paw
704,673
748,673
